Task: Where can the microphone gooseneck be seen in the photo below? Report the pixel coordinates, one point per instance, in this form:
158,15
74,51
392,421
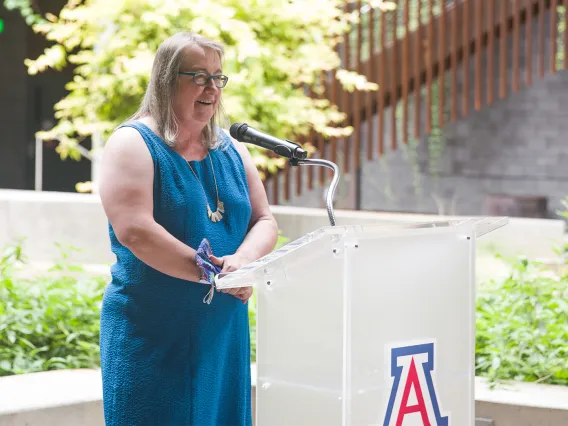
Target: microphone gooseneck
294,152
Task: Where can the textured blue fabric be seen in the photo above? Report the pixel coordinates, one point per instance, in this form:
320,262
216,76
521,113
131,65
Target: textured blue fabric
167,358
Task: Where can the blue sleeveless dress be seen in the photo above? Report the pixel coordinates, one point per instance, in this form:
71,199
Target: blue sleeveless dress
168,358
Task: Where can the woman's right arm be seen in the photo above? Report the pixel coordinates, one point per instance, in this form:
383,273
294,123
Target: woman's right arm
126,191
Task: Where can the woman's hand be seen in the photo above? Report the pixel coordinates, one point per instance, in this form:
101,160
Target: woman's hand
232,263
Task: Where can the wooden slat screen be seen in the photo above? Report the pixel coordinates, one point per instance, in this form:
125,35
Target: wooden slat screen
407,51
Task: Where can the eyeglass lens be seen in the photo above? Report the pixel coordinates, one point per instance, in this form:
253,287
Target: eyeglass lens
202,79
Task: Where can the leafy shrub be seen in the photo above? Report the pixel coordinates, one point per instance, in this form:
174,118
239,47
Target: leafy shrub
564,213
522,326
51,321
48,322
252,324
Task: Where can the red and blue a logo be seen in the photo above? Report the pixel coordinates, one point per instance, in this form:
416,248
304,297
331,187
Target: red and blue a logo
413,399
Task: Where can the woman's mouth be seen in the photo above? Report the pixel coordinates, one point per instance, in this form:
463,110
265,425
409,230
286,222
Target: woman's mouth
205,102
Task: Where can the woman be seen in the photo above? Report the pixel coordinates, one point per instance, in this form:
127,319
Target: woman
170,179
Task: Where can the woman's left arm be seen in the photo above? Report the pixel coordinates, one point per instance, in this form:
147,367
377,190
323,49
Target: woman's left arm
263,230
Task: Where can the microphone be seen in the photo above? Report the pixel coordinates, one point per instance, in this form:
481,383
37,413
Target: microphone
243,133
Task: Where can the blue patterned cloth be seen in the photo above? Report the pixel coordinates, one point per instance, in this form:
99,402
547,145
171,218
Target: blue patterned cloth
168,358
208,270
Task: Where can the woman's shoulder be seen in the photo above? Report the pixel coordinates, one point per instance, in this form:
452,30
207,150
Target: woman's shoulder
229,142
127,140
241,150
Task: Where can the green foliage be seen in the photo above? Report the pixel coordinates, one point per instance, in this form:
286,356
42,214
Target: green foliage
563,249
561,19
522,326
252,325
282,240
26,9
49,322
274,50
564,213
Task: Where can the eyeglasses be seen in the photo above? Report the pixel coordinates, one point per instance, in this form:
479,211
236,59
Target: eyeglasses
202,78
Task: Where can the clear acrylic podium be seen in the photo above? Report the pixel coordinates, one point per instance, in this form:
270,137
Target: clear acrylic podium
368,325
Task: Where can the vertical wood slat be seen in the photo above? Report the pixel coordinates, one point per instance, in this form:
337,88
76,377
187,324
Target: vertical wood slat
312,138
553,34
478,53
516,43
528,41
503,51
382,86
357,103
276,188
333,140
371,77
321,170
287,173
393,80
565,34
345,94
300,173
266,183
405,73
429,70
417,67
541,38
490,52
465,62
441,63
454,65
320,138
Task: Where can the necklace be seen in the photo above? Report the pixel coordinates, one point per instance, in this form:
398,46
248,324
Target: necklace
214,216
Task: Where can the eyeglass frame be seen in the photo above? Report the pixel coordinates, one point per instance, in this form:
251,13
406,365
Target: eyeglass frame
209,78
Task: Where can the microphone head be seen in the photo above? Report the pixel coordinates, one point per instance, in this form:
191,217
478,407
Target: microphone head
238,130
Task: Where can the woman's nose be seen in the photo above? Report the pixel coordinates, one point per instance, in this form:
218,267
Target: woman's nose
211,85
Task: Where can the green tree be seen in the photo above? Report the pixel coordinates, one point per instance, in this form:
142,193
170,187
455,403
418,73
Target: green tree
276,49
27,8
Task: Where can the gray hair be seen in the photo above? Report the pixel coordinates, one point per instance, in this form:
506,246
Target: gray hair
157,101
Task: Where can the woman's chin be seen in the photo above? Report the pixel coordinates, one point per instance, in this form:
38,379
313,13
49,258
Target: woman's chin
198,119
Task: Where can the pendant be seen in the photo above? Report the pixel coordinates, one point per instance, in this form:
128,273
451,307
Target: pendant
216,216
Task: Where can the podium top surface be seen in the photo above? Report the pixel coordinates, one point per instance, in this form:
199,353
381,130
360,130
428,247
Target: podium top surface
477,226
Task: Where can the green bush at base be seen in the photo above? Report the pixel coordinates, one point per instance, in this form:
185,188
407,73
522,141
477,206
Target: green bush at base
52,321
522,326
49,322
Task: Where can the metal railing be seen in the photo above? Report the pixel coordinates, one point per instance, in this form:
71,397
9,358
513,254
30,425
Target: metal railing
93,156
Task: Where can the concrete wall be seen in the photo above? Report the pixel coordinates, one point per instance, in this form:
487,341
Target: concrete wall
74,398
43,219
517,146
52,398
521,404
